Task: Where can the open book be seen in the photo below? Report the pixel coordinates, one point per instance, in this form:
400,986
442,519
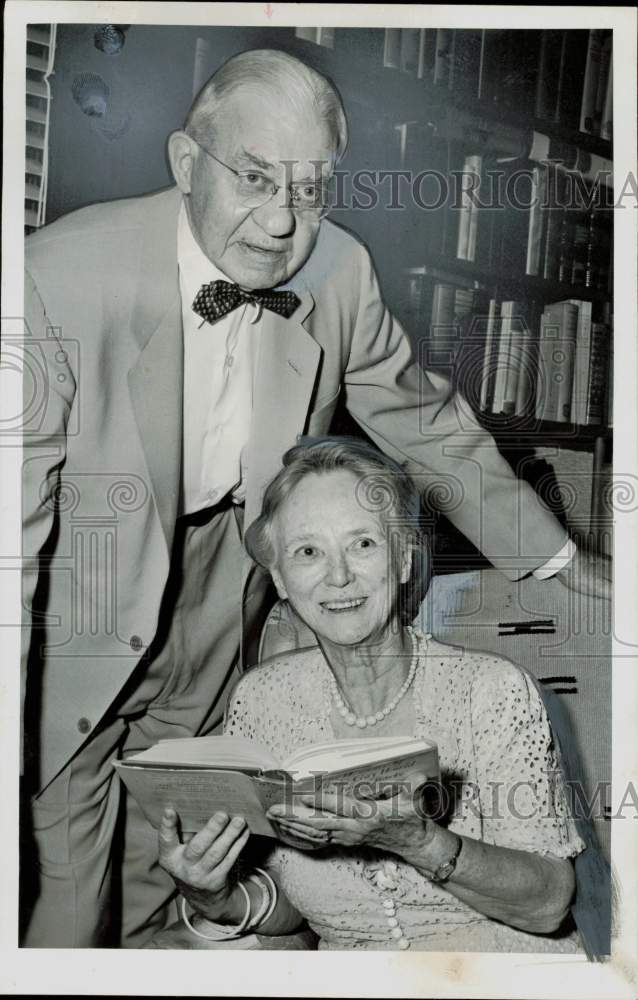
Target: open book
206,774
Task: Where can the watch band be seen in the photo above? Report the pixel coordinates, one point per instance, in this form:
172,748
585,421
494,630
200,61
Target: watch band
445,869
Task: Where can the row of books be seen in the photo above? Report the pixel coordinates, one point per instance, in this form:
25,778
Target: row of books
525,218
508,358
564,76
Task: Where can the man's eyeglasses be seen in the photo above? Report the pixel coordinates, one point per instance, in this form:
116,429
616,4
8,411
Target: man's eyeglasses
254,189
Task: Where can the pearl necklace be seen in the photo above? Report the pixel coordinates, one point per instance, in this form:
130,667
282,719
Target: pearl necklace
362,721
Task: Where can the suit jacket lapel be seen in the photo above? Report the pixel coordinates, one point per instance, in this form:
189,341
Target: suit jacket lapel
156,380
288,362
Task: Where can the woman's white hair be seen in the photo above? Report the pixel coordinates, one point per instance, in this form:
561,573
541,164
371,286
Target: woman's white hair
267,71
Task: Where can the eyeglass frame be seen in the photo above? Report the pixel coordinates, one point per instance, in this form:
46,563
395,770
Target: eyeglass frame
321,212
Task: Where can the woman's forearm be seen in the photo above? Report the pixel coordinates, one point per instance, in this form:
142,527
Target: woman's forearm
525,890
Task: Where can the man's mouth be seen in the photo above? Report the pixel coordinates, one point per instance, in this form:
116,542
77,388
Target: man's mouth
261,250
345,604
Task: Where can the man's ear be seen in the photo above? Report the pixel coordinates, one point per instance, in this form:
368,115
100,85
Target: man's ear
181,154
279,583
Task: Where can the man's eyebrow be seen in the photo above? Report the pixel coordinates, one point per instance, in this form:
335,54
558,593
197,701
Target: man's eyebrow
244,156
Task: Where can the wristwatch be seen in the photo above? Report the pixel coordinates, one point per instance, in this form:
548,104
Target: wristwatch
445,869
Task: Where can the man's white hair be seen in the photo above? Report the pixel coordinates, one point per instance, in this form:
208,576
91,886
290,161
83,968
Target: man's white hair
267,71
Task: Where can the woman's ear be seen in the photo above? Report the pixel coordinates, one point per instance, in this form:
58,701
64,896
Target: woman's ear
279,583
406,562
181,155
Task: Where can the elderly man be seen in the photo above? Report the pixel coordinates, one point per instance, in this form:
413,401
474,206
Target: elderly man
176,378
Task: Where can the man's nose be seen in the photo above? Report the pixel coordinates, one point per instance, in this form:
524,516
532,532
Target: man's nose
339,571
276,216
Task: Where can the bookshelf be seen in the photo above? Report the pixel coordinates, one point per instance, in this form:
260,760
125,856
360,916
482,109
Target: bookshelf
526,274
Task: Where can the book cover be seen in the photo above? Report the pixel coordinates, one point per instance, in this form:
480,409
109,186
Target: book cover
200,776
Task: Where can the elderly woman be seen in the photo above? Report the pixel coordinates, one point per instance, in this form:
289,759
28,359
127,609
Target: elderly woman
337,533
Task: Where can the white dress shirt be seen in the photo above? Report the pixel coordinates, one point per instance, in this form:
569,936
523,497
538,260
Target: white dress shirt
220,363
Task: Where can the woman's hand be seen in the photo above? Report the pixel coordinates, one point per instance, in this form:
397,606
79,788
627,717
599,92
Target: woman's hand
201,866
395,824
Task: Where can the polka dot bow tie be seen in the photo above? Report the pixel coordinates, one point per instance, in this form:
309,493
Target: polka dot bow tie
220,297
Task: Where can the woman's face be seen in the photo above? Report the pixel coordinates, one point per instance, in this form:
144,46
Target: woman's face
334,561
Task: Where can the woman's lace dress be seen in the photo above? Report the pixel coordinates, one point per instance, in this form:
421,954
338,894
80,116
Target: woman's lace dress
501,770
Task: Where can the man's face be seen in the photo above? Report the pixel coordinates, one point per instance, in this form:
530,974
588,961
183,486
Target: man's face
264,246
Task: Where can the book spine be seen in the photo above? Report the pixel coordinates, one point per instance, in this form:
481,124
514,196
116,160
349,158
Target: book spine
565,369
486,396
469,210
549,74
607,124
537,220
392,48
429,54
444,57
516,220
580,248
421,69
566,246
516,326
598,369
504,380
603,76
573,77
578,411
553,224
467,63
609,408
409,51
528,367
590,83
546,395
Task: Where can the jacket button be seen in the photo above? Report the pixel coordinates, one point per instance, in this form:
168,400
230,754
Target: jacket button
84,725
136,643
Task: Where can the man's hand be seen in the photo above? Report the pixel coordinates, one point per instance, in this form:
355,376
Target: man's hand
201,867
588,573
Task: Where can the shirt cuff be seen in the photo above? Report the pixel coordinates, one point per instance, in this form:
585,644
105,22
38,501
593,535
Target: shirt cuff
557,562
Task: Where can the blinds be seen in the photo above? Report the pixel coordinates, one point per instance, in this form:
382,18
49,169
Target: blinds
40,55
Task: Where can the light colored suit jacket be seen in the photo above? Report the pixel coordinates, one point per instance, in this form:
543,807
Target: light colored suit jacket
103,431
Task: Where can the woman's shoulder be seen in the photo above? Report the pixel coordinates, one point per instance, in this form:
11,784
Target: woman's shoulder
283,672
479,669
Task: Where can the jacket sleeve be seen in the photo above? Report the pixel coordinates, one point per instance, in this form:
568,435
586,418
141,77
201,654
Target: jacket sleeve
48,390
416,418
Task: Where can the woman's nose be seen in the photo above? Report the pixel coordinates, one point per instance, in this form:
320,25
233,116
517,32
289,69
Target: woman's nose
339,572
